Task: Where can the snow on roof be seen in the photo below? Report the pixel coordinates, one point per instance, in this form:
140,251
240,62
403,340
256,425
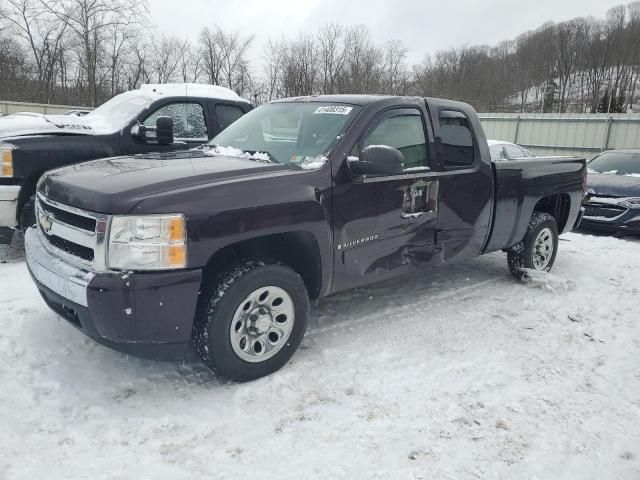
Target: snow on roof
498,142
193,90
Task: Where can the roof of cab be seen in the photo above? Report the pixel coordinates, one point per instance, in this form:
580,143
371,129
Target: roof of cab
363,100
193,90
352,99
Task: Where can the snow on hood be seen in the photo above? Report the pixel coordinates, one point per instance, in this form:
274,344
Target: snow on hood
19,125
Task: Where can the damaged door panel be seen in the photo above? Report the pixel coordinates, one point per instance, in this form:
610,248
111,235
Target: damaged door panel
421,198
400,234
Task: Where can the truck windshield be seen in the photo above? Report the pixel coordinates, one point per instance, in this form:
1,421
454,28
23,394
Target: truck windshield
118,112
296,134
617,163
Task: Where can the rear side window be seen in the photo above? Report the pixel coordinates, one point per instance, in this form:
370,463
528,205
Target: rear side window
227,114
457,139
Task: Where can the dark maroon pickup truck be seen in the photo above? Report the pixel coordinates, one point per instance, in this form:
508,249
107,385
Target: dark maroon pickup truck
222,247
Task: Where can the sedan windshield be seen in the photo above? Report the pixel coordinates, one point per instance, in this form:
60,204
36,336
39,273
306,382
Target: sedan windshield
296,134
617,163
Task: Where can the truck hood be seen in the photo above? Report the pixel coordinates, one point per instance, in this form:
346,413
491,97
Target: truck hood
19,125
116,185
610,185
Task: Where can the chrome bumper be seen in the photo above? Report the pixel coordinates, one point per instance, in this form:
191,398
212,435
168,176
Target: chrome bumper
54,273
8,205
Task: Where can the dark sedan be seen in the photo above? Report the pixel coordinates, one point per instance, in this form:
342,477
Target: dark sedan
613,192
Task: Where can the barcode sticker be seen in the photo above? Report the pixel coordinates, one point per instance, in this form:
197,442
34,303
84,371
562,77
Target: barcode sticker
335,109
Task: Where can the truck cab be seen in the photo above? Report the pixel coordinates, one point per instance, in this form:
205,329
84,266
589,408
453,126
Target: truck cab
125,125
222,248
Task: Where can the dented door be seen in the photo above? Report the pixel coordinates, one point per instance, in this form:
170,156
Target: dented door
386,225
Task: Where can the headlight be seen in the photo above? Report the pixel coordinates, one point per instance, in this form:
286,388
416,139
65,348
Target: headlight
147,242
6,167
631,202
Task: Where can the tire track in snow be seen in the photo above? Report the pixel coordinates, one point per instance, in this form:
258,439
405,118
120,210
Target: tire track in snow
423,303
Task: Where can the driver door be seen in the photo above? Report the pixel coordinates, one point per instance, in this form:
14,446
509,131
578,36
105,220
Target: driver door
386,225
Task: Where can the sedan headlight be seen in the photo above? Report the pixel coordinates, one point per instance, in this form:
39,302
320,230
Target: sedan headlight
631,202
6,157
147,242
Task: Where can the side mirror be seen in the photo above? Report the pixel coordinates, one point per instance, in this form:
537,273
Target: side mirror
377,160
162,133
164,130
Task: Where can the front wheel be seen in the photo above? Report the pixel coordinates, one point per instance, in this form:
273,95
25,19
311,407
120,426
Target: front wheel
538,249
251,320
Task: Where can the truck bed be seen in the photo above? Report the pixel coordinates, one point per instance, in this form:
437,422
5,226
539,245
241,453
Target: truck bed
519,186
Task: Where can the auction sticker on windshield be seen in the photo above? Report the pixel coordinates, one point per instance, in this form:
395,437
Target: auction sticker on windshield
335,109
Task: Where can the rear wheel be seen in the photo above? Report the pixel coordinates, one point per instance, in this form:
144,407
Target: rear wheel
538,249
251,320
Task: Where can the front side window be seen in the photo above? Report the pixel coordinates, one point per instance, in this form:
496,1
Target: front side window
405,132
456,136
227,114
188,120
293,133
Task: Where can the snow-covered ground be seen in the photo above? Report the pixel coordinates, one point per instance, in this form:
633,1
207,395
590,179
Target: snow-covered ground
450,374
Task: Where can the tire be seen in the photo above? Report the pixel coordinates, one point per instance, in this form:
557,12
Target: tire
266,304
538,249
28,214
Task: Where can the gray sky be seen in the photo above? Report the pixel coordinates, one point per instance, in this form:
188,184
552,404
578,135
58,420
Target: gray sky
424,26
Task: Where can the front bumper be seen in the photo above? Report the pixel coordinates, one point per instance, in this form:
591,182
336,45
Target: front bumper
628,221
148,315
8,204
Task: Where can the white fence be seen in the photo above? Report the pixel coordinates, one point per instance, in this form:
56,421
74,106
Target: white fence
14,107
583,135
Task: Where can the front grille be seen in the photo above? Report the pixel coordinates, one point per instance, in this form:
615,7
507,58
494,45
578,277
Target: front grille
604,211
77,234
71,248
85,223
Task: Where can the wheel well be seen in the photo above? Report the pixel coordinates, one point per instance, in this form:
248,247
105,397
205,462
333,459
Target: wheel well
557,206
298,250
27,189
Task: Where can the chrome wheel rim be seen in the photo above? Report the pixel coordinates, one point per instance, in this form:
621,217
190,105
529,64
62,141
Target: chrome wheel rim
543,249
262,324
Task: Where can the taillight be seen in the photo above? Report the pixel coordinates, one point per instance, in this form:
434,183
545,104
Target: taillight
584,183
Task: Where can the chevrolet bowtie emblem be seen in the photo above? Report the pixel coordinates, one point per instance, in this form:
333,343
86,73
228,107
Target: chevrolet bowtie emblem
45,223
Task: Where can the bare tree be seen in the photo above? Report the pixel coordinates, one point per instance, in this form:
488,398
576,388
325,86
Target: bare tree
332,56
90,21
166,57
190,63
395,73
45,38
224,57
